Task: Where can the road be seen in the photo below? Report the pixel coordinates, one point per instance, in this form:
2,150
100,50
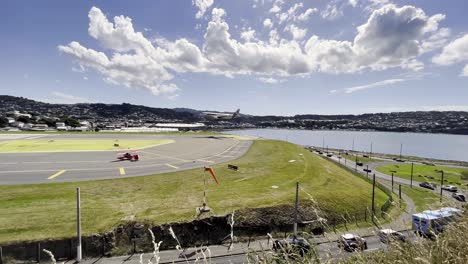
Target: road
187,152
327,249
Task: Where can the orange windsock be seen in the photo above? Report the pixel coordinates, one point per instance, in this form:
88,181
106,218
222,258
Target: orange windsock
212,174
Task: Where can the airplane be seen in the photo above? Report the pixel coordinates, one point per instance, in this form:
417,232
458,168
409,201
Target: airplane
221,116
130,155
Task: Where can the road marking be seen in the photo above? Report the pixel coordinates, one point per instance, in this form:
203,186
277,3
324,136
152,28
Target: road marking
122,171
172,166
164,156
56,174
209,161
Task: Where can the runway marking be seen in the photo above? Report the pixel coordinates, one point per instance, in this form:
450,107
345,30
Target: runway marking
164,156
209,161
122,171
172,166
56,174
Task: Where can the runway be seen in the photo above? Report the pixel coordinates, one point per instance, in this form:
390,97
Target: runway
187,152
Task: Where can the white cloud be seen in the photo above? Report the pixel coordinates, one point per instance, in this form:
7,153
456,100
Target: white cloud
277,6
333,91
271,80
305,16
332,11
297,33
85,78
353,3
268,23
455,51
203,6
392,37
465,71
248,35
373,85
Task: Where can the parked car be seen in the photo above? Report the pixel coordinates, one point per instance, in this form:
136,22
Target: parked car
459,196
291,246
450,188
350,242
389,235
427,185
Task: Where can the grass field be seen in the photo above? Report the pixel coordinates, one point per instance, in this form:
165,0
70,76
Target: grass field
41,211
421,173
31,145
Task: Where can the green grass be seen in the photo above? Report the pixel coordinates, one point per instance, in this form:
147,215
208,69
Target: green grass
42,211
31,145
360,158
421,173
423,199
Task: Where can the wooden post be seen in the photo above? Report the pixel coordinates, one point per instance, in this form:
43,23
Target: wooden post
1,256
399,193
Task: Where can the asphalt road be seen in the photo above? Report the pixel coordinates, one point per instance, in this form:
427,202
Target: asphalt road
243,252
187,152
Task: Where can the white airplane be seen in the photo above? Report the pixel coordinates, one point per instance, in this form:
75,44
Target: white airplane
221,116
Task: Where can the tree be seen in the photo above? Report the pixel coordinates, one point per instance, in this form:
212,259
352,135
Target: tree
72,122
23,119
3,121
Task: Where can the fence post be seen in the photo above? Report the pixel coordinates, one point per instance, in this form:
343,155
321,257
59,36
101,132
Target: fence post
38,252
399,193
1,256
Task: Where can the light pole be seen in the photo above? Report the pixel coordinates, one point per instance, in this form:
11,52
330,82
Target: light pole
441,183
411,180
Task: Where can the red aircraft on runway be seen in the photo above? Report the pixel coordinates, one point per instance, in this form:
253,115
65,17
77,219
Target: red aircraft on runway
131,156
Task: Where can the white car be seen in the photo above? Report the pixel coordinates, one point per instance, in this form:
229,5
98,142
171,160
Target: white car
450,188
388,235
350,242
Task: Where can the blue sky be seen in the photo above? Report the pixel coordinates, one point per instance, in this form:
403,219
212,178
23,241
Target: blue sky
264,57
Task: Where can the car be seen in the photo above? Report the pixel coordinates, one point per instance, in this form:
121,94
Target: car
459,196
450,188
291,246
360,164
389,235
427,185
350,242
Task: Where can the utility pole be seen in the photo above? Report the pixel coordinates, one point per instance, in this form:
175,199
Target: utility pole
352,148
401,149
411,180
373,196
78,225
323,143
367,171
441,184
392,182
370,154
295,209
355,164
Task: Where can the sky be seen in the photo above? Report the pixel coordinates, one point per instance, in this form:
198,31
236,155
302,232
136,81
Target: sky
266,57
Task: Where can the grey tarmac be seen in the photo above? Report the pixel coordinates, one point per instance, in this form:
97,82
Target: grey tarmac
187,152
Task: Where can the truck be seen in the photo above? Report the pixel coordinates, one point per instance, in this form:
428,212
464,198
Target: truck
432,222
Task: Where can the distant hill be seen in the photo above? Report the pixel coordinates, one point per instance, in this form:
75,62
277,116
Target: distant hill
451,122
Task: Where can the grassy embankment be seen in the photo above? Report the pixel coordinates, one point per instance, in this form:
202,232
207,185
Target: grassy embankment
421,173
41,211
34,145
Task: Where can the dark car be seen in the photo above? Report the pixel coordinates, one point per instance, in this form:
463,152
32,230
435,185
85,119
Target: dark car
459,196
389,235
427,185
350,242
291,246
